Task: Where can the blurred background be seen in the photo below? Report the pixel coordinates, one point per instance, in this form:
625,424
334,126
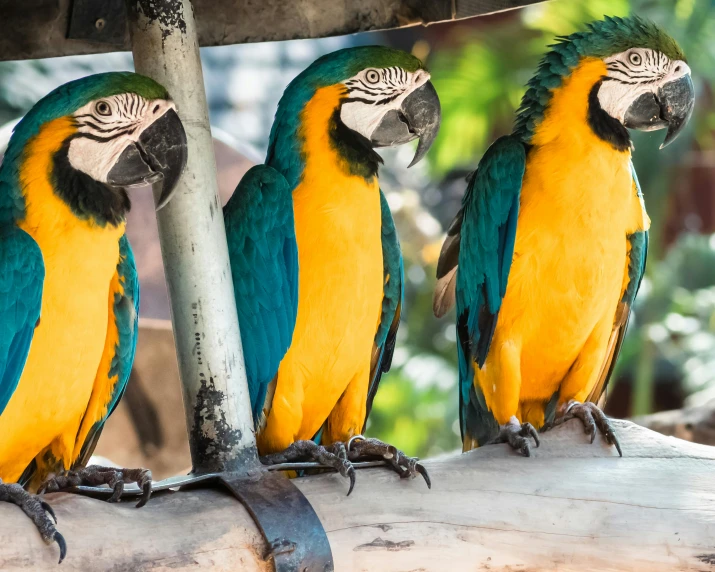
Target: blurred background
479,68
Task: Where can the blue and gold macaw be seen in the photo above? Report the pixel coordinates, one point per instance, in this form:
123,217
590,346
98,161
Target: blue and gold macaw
546,255
315,258
69,295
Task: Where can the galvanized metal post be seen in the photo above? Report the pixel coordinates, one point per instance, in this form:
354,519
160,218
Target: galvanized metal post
193,244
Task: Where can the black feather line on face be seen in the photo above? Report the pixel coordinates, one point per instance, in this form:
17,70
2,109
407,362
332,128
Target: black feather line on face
359,156
603,125
86,197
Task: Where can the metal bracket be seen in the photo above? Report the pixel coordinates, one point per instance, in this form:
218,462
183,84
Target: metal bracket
295,536
102,21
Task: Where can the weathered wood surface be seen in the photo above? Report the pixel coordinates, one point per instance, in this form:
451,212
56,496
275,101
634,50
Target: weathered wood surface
573,506
696,424
38,28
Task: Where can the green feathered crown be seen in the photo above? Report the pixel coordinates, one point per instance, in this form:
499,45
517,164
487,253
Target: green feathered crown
601,39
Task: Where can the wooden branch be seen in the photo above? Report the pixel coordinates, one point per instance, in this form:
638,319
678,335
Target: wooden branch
696,424
38,28
573,506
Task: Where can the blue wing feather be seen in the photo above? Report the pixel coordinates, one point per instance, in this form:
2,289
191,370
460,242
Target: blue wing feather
486,229
22,273
126,315
264,264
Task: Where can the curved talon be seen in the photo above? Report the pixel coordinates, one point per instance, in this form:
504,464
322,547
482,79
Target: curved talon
517,436
425,475
60,540
146,495
403,465
593,420
614,441
351,475
39,511
336,458
531,432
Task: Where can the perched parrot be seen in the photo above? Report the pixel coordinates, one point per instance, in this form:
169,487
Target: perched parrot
69,294
545,257
316,263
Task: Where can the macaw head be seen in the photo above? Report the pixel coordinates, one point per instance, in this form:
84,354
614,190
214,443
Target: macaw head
642,82
96,137
378,97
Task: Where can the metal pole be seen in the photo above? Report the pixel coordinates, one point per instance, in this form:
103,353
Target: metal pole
194,250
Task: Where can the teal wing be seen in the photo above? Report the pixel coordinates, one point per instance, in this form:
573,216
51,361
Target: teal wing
474,266
637,255
22,274
394,289
264,263
126,318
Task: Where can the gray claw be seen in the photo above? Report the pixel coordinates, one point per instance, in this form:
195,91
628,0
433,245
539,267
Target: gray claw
517,436
403,465
593,419
425,475
351,475
60,540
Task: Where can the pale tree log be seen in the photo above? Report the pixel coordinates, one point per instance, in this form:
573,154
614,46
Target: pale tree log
696,423
572,506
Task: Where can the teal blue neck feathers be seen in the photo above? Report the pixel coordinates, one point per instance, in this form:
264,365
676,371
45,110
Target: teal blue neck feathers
601,39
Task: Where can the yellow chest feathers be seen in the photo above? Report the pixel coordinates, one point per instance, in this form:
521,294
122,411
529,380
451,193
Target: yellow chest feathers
89,251
574,176
80,261
337,214
338,230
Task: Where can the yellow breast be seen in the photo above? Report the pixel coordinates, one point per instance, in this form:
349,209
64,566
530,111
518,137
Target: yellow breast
80,260
338,230
578,205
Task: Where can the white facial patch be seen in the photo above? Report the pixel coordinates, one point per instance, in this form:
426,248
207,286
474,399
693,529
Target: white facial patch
633,73
375,91
106,126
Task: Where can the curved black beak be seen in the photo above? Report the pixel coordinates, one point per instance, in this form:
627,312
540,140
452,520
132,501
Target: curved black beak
671,106
158,157
418,116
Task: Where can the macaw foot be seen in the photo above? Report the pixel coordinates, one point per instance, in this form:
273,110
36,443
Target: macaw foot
360,448
592,418
95,476
38,510
517,435
309,451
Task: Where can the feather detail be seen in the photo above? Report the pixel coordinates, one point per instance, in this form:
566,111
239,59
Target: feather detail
445,293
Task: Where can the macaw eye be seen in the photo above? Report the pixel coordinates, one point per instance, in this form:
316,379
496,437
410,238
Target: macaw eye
372,76
103,108
635,58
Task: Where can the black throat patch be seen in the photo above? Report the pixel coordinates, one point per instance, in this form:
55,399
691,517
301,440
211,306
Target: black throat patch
86,197
359,156
603,125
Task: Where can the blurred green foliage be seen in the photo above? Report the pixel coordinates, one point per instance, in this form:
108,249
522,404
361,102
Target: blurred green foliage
480,70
